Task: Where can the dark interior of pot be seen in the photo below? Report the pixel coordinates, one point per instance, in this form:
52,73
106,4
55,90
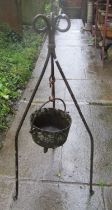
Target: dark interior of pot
52,120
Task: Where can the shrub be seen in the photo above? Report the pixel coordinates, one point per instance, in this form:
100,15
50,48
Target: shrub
17,59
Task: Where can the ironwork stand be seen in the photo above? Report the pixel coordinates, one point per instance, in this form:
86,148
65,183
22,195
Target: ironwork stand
52,26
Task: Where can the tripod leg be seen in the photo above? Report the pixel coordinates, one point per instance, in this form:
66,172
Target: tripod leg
21,123
52,78
84,121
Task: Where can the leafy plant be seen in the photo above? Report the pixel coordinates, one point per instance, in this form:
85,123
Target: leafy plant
17,58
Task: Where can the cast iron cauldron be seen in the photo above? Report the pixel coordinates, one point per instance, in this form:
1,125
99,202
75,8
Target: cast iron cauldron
50,126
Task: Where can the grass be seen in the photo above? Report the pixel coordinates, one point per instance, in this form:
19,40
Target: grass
17,59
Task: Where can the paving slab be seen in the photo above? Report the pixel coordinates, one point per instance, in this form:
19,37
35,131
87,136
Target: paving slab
102,128
90,90
7,162
44,90
6,192
49,196
107,197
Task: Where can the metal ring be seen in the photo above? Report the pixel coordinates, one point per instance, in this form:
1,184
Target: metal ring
36,18
65,17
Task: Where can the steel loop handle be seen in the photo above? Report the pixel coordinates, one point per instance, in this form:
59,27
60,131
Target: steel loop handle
61,17
36,19
51,100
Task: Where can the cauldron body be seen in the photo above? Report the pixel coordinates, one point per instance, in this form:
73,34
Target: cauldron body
50,127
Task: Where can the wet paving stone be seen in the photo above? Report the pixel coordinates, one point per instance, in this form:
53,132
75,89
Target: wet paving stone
44,91
90,90
6,191
102,125
108,197
7,163
57,197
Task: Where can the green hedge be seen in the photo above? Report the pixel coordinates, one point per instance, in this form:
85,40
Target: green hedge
16,64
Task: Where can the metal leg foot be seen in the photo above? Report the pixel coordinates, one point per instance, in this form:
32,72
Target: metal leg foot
91,192
45,149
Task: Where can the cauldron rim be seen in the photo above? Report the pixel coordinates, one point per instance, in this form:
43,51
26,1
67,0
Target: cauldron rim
61,130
